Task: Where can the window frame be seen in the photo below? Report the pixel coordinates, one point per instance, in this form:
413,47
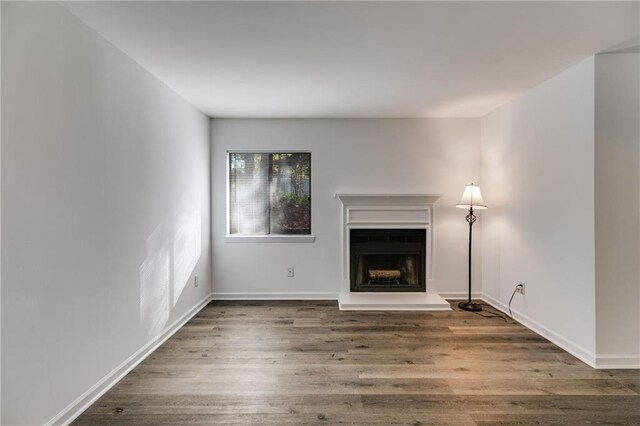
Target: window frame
267,238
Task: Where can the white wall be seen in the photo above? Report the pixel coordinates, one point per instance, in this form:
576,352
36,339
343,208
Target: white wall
538,176
617,208
105,209
348,155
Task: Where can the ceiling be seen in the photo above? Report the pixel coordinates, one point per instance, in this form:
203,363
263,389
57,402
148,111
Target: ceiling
358,59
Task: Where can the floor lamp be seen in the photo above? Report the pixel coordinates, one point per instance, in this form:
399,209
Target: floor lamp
472,200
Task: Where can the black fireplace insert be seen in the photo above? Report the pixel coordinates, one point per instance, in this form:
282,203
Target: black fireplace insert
390,260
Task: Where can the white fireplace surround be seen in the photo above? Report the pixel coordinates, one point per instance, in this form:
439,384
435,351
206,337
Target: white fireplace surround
388,211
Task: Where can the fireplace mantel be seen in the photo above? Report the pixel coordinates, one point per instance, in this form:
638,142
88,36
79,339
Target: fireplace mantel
390,211
388,199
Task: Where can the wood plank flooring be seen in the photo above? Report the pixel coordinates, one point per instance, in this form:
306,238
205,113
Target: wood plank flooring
306,362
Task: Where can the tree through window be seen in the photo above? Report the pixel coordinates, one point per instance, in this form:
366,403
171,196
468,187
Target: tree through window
270,193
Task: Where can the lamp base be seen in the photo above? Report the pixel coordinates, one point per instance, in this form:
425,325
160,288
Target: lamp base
470,306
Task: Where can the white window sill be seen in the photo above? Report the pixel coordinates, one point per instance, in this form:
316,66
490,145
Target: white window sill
269,238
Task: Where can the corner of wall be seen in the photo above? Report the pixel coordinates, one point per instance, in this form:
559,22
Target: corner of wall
617,208
532,233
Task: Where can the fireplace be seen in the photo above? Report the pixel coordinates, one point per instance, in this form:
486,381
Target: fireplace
387,260
387,253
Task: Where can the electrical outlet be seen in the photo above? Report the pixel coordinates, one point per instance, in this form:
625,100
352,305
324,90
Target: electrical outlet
520,287
290,271
196,281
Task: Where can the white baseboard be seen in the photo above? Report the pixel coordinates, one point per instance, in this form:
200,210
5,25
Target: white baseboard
459,294
77,407
568,345
615,361
276,296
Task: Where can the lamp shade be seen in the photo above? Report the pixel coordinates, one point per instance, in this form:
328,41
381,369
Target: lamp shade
472,198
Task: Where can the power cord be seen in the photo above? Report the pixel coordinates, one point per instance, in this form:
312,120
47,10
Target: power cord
510,300
496,313
492,314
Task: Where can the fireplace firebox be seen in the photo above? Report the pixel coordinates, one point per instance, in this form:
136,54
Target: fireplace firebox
387,260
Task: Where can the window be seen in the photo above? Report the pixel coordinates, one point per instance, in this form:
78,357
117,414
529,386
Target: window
269,193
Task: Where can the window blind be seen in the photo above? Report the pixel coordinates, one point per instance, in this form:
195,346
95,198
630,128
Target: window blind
269,193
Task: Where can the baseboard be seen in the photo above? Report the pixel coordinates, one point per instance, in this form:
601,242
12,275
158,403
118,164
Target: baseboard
573,348
454,295
77,407
615,361
276,296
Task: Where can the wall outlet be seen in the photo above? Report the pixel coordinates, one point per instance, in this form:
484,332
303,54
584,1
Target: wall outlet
290,271
520,287
196,281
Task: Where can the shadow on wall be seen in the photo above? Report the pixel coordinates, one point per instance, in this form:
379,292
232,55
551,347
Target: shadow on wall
172,253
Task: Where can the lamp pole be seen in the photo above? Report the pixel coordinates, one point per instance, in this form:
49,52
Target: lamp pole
469,305
471,197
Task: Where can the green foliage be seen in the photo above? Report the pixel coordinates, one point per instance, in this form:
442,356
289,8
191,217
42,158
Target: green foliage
297,166
295,213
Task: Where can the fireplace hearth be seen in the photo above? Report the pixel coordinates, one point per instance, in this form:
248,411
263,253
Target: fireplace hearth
387,260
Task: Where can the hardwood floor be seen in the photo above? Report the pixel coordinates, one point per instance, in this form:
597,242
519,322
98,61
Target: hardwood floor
306,362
